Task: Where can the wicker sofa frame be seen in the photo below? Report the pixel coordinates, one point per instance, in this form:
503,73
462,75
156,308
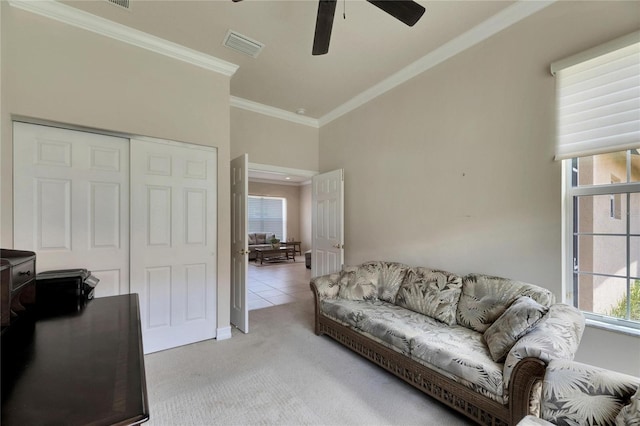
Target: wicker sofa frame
477,407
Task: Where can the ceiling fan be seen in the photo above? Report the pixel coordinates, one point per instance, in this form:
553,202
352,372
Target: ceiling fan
406,11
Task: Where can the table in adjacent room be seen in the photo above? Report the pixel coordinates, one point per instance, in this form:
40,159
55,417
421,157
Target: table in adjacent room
270,254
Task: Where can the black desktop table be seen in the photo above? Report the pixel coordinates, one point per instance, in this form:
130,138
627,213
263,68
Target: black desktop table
78,368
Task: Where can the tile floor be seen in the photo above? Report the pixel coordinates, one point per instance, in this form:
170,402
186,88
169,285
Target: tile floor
278,283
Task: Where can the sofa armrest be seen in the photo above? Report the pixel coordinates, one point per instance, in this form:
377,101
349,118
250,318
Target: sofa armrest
324,287
576,393
557,336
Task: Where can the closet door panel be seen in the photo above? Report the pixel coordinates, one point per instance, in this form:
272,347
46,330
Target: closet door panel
71,207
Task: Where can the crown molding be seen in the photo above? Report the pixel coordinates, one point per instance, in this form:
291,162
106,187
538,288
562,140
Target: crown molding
273,111
281,170
69,15
275,182
498,22
80,19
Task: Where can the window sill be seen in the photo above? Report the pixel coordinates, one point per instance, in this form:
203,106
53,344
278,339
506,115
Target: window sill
628,331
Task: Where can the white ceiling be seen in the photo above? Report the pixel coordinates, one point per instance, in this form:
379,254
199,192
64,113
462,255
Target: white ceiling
366,47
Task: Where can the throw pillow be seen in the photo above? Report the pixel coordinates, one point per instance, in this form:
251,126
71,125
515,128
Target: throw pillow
519,318
252,238
630,413
431,292
359,282
484,298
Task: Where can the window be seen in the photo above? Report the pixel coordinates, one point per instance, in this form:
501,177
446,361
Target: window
605,253
598,138
268,214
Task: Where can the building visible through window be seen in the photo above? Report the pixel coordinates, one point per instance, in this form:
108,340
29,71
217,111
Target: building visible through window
606,252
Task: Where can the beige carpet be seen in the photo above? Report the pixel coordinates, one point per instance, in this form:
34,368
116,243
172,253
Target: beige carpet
281,373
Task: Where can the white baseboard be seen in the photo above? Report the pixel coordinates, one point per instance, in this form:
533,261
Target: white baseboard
223,333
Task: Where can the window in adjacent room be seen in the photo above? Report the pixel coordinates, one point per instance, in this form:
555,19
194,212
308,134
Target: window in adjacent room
268,214
599,141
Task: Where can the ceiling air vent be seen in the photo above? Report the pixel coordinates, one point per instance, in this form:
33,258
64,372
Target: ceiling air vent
121,3
242,44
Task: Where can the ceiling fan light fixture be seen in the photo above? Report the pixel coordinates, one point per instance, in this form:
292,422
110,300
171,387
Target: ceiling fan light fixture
243,44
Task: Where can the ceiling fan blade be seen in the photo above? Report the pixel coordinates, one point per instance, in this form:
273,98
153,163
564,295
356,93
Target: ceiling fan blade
406,11
324,24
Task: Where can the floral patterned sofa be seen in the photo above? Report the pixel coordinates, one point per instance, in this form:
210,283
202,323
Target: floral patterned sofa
579,394
476,343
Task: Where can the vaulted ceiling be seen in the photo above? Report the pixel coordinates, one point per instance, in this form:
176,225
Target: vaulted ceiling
367,46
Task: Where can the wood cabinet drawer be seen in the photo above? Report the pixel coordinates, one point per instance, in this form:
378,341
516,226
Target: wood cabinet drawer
23,274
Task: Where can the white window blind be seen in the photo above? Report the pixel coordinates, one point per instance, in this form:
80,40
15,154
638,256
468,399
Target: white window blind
267,214
598,95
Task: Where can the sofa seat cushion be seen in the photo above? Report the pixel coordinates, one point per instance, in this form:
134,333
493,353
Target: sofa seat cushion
456,352
431,292
387,324
463,354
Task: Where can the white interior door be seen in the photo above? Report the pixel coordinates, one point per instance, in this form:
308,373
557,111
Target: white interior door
239,248
173,241
71,202
327,223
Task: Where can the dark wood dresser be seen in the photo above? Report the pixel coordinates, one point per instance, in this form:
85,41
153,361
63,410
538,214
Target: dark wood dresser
77,368
17,283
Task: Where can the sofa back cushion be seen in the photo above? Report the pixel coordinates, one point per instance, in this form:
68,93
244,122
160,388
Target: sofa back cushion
391,276
431,292
360,282
484,298
261,237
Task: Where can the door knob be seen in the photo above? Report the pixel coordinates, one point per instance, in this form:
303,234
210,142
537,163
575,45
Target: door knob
338,246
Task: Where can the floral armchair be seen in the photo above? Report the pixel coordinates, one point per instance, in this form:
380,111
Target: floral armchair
579,394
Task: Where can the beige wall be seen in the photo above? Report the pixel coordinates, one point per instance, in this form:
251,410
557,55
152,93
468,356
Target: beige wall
454,169
273,141
61,74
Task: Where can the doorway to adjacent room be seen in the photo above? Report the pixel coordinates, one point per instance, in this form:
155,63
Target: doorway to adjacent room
273,284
